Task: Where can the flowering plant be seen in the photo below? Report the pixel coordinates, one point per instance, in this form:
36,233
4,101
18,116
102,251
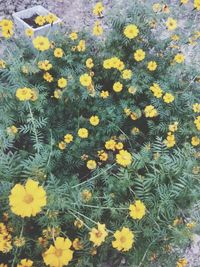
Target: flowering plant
99,142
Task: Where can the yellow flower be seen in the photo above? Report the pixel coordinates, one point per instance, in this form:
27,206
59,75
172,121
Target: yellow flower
24,94
132,90
191,225
89,63
86,195
77,244
124,158
59,254
58,52
131,31
98,235
196,107
156,90
7,33
25,263
152,65
78,223
119,146
85,80
97,29
81,46
91,164
62,145
181,262
168,98
51,18
27,200
173,127
3,265
195,141
197,122
137,210
73,36
135,130
179,58
2,64
57,93
171,24
117,87
94,120
139,55
12,129
124,239
156,7
197,4
175,37
150,111
98,9
62,82
110,144
29,32
19,241
126,74
104,94
41,43
48,77
68,138
40,20
44,65
170,140
83,133
103,156
6,24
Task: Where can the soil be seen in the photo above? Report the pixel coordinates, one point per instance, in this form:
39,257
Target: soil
31,21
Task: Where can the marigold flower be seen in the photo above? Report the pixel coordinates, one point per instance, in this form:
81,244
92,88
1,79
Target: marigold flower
197,122
117,87
104,94
27,200
137,210
62,82
89,63
73,36
48,77
59,254
58,52
195,141
179,58
57,93
86,195
68,138
25,263
168,98
197,4
98,235
29,32
124,158
150,111
139,55
131,31
51,18
62,145
81,46
85,80
124,239
83,133
40,20
196,107
152,65
170,140
77,244
24,94
12,129
78,223
98,9
41,43
91,164
127,74
97,29
110,144
44,65
171,24
94,120
182,262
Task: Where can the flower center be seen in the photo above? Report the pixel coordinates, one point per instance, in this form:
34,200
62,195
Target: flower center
58,252
122,239
98,234
28,198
